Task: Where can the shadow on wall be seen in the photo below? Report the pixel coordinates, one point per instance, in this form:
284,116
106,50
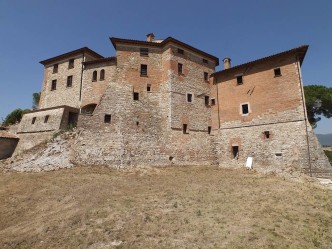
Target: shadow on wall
7,146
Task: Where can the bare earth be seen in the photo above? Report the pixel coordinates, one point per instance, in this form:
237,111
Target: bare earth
176,207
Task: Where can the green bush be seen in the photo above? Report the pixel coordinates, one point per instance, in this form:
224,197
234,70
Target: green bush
329,155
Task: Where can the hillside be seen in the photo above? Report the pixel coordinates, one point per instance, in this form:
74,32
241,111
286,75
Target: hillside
325,139
175,207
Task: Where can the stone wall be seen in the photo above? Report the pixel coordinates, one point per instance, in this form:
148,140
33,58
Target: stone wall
92,91
46,123
42,123
62,95
285,148
30,140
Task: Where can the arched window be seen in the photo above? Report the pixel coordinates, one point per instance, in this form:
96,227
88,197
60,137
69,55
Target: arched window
102,74
94,76
88,109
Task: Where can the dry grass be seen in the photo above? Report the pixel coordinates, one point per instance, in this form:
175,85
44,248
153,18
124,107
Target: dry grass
187,207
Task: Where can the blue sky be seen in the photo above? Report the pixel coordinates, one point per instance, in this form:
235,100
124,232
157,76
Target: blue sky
34,30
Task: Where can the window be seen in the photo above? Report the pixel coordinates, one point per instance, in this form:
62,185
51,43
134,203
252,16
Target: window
277,72
69,81
144,51
185,128
180,51
148,88
144,70
239,79
245,109
266,134
46,118
53,87
71,64
107,118
136,96
55,68
189,97
206,76
180,66
94,76
102,74
213,101
205,61
207,100
235,151
33,120
209,129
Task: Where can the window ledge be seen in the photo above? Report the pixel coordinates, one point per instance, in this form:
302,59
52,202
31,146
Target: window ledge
276,76
143,75
94,80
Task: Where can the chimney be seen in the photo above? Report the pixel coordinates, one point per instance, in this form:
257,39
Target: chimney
150,37
227,63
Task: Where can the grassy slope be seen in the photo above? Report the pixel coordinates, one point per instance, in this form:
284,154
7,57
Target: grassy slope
187,207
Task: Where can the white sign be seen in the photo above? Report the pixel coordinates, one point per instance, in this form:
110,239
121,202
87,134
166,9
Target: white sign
249,162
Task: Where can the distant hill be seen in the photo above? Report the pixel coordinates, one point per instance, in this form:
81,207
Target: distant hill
325,139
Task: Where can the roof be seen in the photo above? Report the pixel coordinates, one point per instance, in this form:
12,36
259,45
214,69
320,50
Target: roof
108,59
71,54
5,134
299,51
53,108
162,44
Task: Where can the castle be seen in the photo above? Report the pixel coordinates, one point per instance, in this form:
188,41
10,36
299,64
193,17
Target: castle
161,102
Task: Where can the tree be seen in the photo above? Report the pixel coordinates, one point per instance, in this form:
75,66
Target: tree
14,117
318,103
35,100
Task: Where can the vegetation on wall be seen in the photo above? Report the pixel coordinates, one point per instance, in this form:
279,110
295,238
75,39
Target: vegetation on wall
318,103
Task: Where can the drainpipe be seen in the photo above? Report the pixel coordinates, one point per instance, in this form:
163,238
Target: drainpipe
81,85
214,80
304,111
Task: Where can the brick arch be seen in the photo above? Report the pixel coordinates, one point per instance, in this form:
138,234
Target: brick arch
89,108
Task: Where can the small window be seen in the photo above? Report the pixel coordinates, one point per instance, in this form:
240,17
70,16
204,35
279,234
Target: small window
136,96
245,108
180,66
70,81
102,74
266,134
94,76
148,88
180,51
144,70
107,118
189,97
235,151
33,120
185,128
71,64
239,79
207,100
209,129
206,76
277,72
205,61
213,101
46,118
144,51
53,87
55,68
